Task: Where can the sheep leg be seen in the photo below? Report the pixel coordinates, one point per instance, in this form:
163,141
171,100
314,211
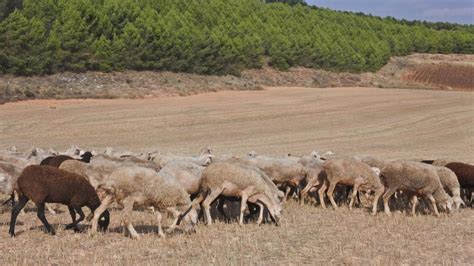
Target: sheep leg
321,194
15,211
287,192
220,208
206,204
176,216
260,214
414,202
355,191
378,193
330,192
433,203
98,212
304,193
127,210
81,218
42,217
386,197
72,212
243,206
158,221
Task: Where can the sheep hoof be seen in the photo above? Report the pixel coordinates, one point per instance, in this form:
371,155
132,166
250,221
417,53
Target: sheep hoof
12,234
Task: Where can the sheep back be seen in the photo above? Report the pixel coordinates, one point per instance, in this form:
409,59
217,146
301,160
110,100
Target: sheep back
50,184
159,191
464,172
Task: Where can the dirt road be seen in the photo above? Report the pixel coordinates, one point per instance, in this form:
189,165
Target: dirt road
386,122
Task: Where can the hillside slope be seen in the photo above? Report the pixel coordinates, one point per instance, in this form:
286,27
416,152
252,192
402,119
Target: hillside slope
209,37
418,71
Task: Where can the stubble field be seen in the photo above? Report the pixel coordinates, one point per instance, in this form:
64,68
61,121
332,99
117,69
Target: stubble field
348,121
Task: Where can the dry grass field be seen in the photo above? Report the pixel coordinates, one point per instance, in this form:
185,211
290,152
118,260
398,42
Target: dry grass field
388,123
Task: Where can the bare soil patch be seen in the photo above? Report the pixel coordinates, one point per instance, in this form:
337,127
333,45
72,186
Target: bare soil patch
456,76
390,123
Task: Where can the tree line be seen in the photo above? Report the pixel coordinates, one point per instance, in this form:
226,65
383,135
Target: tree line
207,36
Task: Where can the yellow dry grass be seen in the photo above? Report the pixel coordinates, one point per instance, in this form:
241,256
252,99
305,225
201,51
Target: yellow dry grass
307,235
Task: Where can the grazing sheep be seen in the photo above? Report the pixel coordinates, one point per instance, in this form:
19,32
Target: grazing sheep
234,179
8,176
139,186
465,174
450,183
43,184
417,179
16,161
73,151
102,160
282,172
351,172
56,161
101,166
371,161
187,173
202,160
94,174
313,159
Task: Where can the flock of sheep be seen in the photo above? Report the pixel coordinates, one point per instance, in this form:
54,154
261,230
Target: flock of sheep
206,185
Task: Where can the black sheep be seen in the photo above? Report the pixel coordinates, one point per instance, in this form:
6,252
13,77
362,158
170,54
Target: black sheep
43,184
56,161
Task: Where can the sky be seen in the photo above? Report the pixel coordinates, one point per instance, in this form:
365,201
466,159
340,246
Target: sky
455,11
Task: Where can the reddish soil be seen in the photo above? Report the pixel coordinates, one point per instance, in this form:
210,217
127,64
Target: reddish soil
450,75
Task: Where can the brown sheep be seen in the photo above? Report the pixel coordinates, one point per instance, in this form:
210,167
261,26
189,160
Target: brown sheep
43,184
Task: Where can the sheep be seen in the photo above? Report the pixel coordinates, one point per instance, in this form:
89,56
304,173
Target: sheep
74,151
235,179
414,178
202,159
43,184
371,161
95,175
450,183
8,176
101,166
102,160
187,173
56,161
350,172
465,174
16,161
134,185
281,171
